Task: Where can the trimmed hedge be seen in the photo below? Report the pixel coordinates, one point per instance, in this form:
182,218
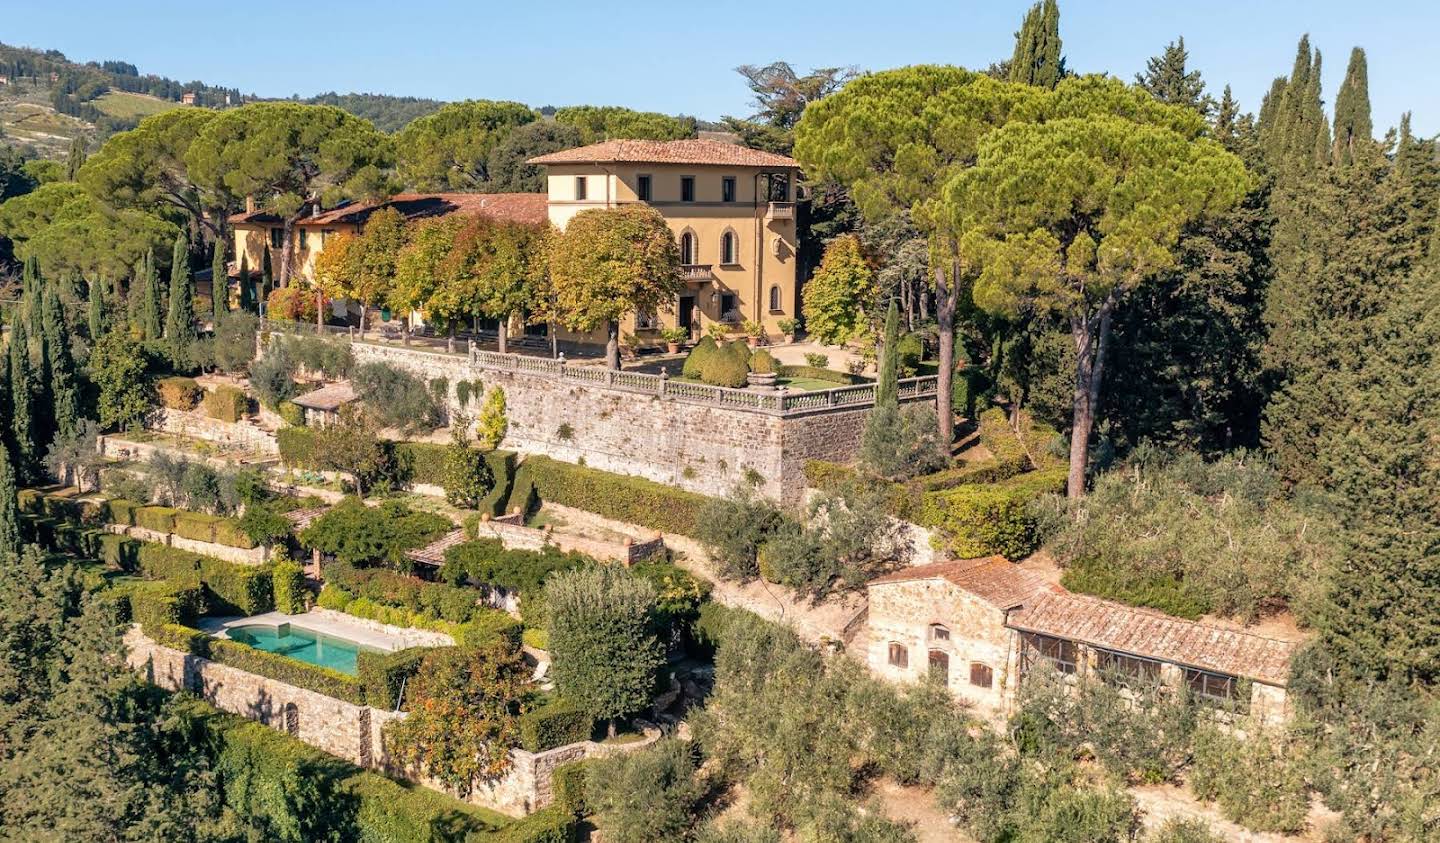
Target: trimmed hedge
630,499
161,519
321,680
981,520
179,393
424,462
437,600
287,582
551,825
227,404
153,604
121,511
384,674
195,526
838,378
120,551
292,414
297,447
557,723
229,533
490,626
567,783
229,588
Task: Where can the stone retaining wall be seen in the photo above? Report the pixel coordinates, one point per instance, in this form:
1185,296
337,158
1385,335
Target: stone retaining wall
520,537
193,423
238,555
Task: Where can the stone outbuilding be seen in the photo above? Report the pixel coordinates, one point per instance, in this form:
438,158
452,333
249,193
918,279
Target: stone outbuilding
322,406
981,624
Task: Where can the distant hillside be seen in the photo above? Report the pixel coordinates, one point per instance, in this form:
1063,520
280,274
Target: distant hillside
389,114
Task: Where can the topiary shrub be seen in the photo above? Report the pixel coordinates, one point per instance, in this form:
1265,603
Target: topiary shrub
762,363
817,361
179,393
726,369
227,404
556,723
195,526
161,519
288,584
908,352
695,360
740,349
384,674
490,428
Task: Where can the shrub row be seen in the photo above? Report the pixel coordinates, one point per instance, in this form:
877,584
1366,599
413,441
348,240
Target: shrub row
557,723
906,500
227,404
424,462
436,600
838,378
297,447
630,499
189,525
384,674
275,781
981,520
488,626
287,580
153,604
229,588
487,562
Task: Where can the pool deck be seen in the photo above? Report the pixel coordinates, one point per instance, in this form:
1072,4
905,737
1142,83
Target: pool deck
364,633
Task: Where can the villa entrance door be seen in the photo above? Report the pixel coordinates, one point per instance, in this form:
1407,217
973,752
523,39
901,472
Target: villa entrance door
687,314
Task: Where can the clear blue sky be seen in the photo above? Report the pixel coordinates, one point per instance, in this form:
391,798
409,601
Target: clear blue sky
679,57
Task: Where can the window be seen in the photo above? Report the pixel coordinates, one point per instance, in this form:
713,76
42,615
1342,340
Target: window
277,238
1124,671
687,248
775,300
304,239
580,188
899,656
727,247
981,676
938,632
645,321
687,188
728,313
1215,688
727,189
940,666
642,188
779,187
1057,651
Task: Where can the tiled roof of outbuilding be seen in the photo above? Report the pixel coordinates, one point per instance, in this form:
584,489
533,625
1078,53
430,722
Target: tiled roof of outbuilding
693,151
993,579
516,207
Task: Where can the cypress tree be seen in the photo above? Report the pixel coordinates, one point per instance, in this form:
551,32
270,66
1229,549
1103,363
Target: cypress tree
887,388
247,289
1227,116
1352,108
9,513
219,281
7,431
1166,79
76,159
180,321
150,297
1037,60
265,277
64,385
30,299
97,309
22,403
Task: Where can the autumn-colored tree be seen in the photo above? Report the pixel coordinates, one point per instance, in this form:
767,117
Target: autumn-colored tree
363,267
1071,213
610,262
840,297
497,269
420,265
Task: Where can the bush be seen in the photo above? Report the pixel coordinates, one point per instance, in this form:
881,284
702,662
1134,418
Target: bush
119,551
291,413
733,528
291,304
550,825
234,346
725,369
397,398
651,794
990,519
227,403
288,585
630,499
1257,780
195,526
261,525
492,425
272,377
159,603
1002,443
762,363
179,393
557,723
1185,831
696,359
567,783
161,519
384,674
467,479
817,361
488,562
297,447
908,352
355,533
821,373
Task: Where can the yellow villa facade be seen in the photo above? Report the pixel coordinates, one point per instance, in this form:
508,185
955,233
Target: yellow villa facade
732,210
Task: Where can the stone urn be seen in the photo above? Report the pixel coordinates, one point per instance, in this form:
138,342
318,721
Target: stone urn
763,381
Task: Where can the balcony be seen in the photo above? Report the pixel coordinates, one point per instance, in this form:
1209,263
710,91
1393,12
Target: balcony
779,211
696,273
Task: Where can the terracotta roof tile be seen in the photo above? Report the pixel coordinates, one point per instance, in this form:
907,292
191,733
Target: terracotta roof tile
1152,634
330,397
693,151
993,579
517,207
434,552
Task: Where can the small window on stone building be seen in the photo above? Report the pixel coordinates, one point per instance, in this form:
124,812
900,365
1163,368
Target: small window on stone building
899,656
938,632
775,303
981,676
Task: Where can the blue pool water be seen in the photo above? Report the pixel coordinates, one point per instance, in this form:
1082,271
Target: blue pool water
301,644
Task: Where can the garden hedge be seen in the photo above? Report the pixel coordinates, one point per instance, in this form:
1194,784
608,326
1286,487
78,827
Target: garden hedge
551,825
155,604
120,551
630,499
297,447
288,585
488,626
160,519
1000,440
438,600
567,783
195,526
227,404
321,680
384,674
838,378
980,520
230,588
557,723
179,393
229,533
121,511
424,462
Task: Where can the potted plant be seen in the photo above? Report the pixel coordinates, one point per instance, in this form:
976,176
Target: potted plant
629,346
787,327
717,331
762,371
673,337
753,332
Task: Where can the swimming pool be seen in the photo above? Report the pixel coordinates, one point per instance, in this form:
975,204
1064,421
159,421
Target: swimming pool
300,644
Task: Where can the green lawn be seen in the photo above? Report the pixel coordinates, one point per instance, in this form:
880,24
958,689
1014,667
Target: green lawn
127,106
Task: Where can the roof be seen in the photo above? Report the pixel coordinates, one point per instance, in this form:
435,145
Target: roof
1034,604
993,579
302,518
1152,634
434,552
515,207
327,398
694,151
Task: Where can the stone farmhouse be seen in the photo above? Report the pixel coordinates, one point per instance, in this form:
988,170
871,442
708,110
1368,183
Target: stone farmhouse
983,624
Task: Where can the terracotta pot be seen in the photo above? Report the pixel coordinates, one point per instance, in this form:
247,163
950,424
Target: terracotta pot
672,348
753,341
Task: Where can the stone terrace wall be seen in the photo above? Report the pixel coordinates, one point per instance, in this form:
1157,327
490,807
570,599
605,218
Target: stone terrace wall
195,424
694,446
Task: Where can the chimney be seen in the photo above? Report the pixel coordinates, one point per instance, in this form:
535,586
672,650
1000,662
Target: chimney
249,204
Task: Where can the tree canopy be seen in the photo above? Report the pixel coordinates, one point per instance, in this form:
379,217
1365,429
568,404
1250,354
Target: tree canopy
450,149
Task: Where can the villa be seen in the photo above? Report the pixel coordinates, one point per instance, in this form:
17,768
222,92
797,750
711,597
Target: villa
982,624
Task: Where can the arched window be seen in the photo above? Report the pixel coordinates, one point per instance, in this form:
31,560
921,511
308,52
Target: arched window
687,248
775,299
729,248
940,666
899,656
938,632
